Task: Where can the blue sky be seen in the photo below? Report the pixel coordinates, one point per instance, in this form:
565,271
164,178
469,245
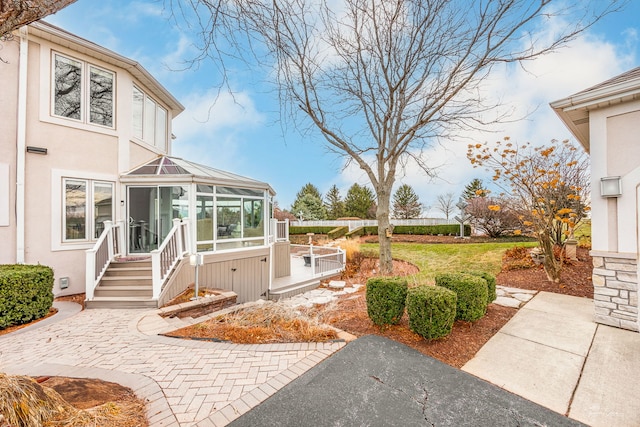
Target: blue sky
243,133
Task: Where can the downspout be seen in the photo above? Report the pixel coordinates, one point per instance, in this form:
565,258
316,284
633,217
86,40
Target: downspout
21,144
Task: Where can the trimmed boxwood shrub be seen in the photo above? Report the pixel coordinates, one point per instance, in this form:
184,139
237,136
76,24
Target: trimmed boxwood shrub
26,293
431,310
491,284
386,297
471,291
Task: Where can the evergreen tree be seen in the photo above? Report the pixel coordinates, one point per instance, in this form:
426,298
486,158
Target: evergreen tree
334,204
406,204
359,201
308,204
474,189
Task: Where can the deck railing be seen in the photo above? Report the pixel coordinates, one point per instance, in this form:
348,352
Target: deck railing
324,263
279,231
323,260
170,252
110,244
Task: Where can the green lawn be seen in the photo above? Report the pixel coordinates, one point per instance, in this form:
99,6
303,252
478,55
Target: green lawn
432,259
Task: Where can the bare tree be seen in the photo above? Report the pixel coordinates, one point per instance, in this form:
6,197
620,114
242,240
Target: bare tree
16,13
382,80
445,204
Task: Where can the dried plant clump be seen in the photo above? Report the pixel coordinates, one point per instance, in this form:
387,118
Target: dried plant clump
265,323
25,403
354,257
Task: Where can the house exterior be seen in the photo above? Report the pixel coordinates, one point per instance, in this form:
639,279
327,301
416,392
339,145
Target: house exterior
87,182
606,120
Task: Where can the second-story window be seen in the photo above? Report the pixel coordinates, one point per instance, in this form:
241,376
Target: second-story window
83,92
149,120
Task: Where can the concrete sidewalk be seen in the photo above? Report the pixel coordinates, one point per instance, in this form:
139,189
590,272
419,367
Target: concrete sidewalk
552,353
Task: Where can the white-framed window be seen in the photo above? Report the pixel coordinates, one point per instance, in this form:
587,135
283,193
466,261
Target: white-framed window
86,204
83,92
149,120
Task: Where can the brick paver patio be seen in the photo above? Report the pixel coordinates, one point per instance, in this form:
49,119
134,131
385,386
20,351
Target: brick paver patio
187,383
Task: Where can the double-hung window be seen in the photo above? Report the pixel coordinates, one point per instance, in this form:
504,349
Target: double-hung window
83,91
149,120
86,205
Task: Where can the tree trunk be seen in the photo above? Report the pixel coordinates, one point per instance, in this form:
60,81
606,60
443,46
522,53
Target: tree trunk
551,266
382,215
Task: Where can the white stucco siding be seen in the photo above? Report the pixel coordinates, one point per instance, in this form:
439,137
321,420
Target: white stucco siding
615,151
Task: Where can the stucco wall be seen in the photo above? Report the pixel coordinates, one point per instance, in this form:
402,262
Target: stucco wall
8,107
615,151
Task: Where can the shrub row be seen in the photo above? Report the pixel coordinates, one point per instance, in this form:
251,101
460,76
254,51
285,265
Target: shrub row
301,229
432,310
26,293
338,232
432,230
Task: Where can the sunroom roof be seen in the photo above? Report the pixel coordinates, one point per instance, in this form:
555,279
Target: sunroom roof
166,166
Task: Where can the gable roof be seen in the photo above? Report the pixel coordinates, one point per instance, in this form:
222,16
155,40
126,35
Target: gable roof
574,110
64,38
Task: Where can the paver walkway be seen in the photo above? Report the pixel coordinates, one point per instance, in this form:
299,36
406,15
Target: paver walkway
186,382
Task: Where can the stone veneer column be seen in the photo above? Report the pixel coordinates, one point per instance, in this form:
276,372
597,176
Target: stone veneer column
615,290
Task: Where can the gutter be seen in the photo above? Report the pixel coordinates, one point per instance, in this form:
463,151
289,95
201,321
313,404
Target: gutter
21,144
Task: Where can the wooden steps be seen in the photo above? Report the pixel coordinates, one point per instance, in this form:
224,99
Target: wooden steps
125,284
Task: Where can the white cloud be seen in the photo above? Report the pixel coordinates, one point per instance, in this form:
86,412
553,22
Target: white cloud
210,128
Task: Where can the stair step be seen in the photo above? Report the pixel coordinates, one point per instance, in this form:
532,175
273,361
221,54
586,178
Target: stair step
121,302
123,291
126,281
128,264
128,271
290,291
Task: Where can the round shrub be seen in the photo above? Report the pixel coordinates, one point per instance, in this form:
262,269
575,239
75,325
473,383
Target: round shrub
471,291
386,298
431,310
26,293
491,284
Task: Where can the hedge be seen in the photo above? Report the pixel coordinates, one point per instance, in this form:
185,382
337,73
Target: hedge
363,231
301,229
431,310
491,284
338,232
433,230
471,291
386,297
26,293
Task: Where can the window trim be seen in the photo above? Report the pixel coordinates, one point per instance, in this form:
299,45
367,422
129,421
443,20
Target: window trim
85,91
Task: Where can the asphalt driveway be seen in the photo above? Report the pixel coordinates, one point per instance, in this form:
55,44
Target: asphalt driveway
374,381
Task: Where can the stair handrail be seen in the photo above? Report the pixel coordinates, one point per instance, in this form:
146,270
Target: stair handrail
108,246
168,254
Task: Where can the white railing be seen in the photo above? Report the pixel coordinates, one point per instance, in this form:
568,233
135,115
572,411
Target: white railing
279,231
110,244
327,263
323,260
170,252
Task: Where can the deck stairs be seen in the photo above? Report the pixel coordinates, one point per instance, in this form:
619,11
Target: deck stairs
125,284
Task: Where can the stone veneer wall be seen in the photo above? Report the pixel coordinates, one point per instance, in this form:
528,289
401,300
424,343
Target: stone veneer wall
615,290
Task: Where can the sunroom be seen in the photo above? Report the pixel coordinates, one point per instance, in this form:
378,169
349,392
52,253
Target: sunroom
175,208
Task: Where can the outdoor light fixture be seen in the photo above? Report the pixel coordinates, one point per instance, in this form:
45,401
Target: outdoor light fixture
610,186
36,150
